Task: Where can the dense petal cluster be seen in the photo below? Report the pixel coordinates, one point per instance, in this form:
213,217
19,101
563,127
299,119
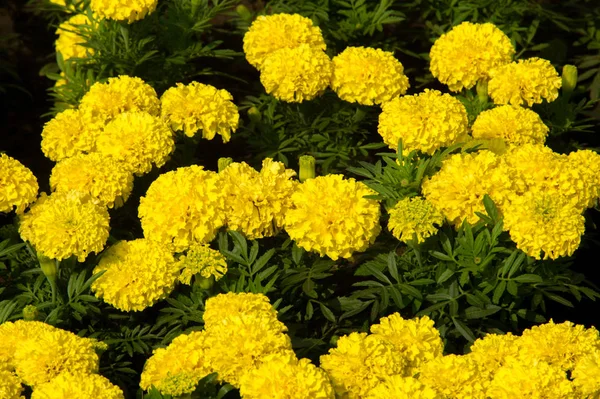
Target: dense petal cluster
527,81
199,107
222,306
10,385
513,124
69,133
183,207
138,274
467,52
454,377
425,122
123,10
399,387
105,180
18,185
138,140
368,76
256,202
269,33
587,165
492,351
412,217
70,385
65,224
586,374
296,74
69,41
329,215
201,259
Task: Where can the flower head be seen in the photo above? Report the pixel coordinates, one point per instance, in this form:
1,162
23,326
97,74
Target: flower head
138,274
368,76
586,374
269,33
513,124
586,163
454,376
18,185
65,224
526,81
201,259
221,307
199,107
466,54
69,133
493,351
10,385
69,41
399,387
78,385
425,122
329,215
414,216
123,10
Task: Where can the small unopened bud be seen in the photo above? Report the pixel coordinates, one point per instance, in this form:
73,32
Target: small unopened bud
30,312
203,282
569,79
243,12
254,114
333,341
404,182
307,167
482,91
49,267
223,163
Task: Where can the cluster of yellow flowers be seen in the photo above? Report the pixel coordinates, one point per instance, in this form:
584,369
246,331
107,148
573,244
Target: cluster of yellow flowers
56,364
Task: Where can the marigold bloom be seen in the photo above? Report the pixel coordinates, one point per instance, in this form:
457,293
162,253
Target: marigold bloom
526,81
104,179
69,41
511,123
138,274
137,140
414,217
123,10
329,215
222,306
201,259
269,33
368,76
586,374
493,351
399,387
282,376
18,185
359,363
296,74
256,202
14,334
202,107
467,52
65,224
183,207
78,385
455,377
69,133
586,163
10,385
416,341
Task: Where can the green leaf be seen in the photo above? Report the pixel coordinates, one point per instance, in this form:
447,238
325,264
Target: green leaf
528,278
377,273
559,299
445,276
474,312
392,267
297,253
499,291
262,261
463,330
327,313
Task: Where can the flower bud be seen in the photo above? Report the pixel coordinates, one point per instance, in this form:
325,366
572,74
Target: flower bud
254,114
243,12
223,163
49,267
203,282
569,79
30,312
307,167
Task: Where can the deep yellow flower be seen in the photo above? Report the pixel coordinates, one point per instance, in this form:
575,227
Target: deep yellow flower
138,274
10,385
493,351
69,133
513,124
123,10
368,76
454,376
220,308
414,216
69,41
78,385
425,122
526,81
13,334
399,387
201,259
269,33
467,52
199,107
586,374
329,215
18,185
586,163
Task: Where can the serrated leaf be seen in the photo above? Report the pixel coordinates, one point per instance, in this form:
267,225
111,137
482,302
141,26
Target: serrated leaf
463,330
327,313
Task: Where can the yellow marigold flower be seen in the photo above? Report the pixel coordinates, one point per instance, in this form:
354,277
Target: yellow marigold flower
256,202
138,274
138,140
10,385
359,363
417,341
414,217
104,101
587,164
492,351
123,10
202,107
526,81
329,215
104,179
13,334
219,308
296,74
531,379
183,207
453,376
18,185
201,259
282,376
65,224
269,33
513,124
368,76
69,41
544,222
462,182
425,122
399,387
586,374
78,385
69,133
176,369
466,54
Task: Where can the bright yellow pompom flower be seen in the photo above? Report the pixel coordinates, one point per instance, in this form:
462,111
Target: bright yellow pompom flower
220,308
330,216
586,374
69,133
199,107
65,224
425,122
10,385
466,54
493,351
414,217
78,385
527,81
201,259
18,185
513,124
399,387
454,376
123,10
69,42
138,274
269,33
587,165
